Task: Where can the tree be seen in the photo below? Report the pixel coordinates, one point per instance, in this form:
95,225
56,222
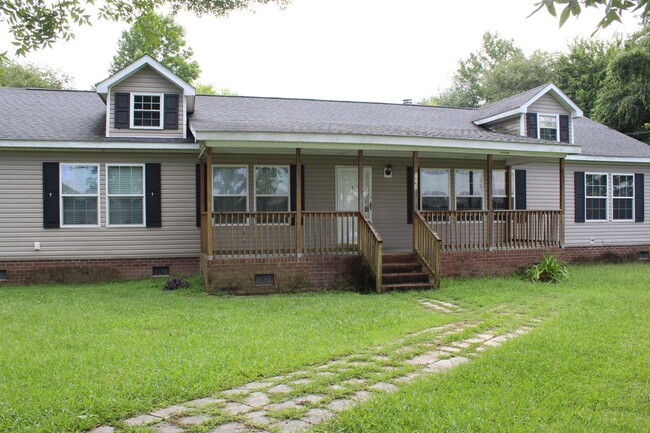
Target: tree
208,89
161,38
36,24
624,101
13,74
613,9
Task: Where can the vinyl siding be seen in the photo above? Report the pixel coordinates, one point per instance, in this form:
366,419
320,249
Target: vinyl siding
610,232
542,185
547,104
21,218
147,80
507,126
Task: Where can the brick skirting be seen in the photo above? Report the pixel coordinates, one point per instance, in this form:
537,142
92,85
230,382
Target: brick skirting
290,274
92,270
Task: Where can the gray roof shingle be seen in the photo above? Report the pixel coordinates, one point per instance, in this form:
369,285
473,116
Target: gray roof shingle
507,104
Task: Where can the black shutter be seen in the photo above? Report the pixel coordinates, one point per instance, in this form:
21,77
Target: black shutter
409,195
579,188
51,195
122,110
152,189
520,189
531,120
197,194
639,207
171,111
564,128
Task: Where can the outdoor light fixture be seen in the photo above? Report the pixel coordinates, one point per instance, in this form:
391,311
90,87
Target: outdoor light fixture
388,170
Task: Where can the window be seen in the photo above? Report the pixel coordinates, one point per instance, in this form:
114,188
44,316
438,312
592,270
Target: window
499,190
79,194
469,189
548,127
230,188
434,189
146,111
272,188
623,196
595,197
125,194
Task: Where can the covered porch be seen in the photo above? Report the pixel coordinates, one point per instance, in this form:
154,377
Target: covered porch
313,207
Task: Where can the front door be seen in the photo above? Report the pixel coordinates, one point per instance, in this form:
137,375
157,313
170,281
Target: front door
347,193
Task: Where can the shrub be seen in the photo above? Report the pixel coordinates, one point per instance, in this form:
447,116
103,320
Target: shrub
177,283
548,270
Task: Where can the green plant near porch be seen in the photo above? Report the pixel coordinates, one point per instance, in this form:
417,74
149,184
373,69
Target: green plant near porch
548,270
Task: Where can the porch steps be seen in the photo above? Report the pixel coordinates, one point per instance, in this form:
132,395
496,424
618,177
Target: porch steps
403,272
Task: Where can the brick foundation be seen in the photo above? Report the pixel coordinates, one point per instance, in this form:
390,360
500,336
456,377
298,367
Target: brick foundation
92,270
312,273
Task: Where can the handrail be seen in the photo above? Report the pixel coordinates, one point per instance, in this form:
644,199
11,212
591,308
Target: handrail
370,250
427,245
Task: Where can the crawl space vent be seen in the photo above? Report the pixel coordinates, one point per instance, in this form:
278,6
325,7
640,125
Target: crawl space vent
160,271
3,275
644,255
264,279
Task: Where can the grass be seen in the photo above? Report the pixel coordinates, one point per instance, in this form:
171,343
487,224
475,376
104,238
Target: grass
77,356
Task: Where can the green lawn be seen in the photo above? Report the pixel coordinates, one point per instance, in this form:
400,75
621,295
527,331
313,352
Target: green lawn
77,356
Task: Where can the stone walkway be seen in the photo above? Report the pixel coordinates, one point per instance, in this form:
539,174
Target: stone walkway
299,400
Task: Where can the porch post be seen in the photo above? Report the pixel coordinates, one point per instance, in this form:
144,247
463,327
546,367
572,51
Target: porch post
416,194
360,198
490,221
562,204
298,202
209,207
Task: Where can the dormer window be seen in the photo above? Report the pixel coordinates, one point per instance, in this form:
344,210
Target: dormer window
548,127
147,111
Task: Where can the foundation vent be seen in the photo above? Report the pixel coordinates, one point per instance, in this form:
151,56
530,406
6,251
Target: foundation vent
264,279
643,255
3,275
160,271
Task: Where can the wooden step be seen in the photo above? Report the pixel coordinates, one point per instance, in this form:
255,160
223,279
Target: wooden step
399,258
406,286
401,268
405,277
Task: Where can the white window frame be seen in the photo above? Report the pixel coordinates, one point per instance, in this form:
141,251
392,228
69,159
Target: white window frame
505,187
607,195
448,196
557,126
62,195
474,195
624,198
245,222
255,194
132,111
108,205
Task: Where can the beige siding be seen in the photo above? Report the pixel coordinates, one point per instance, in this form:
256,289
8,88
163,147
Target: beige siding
547,104
507,126
147,80
542,185
21,216
611,232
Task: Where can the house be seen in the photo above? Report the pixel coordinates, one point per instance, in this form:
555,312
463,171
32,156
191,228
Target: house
144,177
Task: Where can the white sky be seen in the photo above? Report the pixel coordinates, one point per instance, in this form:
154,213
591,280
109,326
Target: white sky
366,50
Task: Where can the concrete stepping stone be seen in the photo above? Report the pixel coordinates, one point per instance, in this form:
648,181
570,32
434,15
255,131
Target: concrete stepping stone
337,387
355,381
232,427
102,429
165,427
381,358
450,349
235,391
141,420
461,344
236,408
280,389
316,416
301,382
258,417
385,387
360,396
291,426
425,358
284,405
204,401
325,373
256,385
340,404
493,343
475,340
169,411
407,378
308,399
257,399
194,420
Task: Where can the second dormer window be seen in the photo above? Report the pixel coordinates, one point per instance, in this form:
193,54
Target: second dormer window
548,127
147,111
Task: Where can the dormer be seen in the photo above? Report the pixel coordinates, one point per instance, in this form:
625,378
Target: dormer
146,100
544,112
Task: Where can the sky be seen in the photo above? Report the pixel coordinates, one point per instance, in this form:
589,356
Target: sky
359,50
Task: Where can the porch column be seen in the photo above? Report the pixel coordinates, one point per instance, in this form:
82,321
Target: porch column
562,198
360,198
416,193
298,202
209,204
490,221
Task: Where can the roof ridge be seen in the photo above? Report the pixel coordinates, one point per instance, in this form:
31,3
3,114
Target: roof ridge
41,89
516,95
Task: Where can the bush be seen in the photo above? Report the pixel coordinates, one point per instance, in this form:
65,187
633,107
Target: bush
548,270
177,283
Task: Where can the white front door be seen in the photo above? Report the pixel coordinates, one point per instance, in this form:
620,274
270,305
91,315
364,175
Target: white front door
347,193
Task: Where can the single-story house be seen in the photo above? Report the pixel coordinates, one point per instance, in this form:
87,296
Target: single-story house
145,177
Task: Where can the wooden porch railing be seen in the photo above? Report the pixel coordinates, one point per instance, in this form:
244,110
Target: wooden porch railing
254,234
427,245
370,250
468,230
329,233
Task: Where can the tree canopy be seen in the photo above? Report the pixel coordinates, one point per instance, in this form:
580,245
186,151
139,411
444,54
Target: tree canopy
613,9
36,24
13,74
163,39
